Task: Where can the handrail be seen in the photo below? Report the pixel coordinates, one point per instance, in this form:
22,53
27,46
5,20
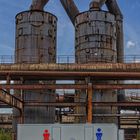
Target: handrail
68,59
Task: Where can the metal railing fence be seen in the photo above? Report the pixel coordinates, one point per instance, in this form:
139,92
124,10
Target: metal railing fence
67,59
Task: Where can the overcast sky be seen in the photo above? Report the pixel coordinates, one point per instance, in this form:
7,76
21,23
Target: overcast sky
65,41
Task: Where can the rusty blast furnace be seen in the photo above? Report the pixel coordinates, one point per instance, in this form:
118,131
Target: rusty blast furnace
39,100
36,43
95,37
98,39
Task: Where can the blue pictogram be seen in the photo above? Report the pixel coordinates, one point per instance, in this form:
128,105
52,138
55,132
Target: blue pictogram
99,134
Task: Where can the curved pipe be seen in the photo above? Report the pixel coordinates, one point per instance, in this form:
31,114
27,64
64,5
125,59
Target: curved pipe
71,9
114,8
38,4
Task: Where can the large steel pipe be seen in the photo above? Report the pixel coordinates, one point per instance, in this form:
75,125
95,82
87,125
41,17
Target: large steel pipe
71,9
68,86
114,9
99,67
102,104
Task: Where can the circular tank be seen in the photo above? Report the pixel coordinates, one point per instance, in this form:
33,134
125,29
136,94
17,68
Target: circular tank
36,43
95,37
95,42
35,37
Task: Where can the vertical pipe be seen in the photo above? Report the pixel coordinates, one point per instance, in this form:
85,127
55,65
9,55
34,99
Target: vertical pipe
114,9
8,79
90,92
120,41
71,9
21,118
22,98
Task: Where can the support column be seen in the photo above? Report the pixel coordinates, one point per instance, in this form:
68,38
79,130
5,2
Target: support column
22,98
8,81
90,92
21,120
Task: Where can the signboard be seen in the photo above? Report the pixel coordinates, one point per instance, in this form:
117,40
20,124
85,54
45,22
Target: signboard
105,132
68,132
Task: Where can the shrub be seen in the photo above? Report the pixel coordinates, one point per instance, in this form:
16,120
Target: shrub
5,135
138,135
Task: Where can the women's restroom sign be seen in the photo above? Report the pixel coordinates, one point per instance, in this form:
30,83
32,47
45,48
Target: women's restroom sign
46,135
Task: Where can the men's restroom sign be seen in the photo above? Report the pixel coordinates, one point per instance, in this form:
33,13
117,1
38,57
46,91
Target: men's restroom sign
46,135
99,134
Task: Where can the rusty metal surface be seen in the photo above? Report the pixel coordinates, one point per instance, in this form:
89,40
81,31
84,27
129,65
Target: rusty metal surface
100,67
96,42
130,132
120,41
42,86
38,4
68,86
95,37
122,116
117,86
129,104
70,8
89,100
10,100
3,105
114,9
63,75
59,104
97,4
30,104
105,51
112,115
36,36
70,71
6,118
